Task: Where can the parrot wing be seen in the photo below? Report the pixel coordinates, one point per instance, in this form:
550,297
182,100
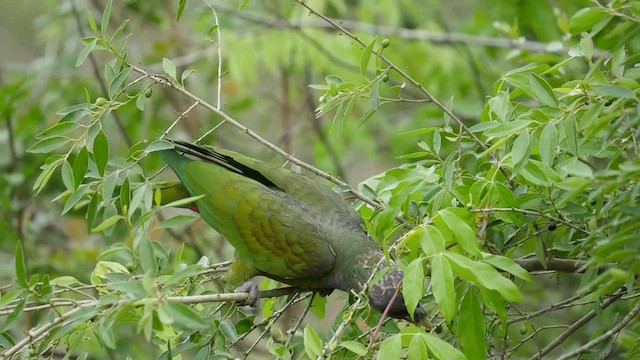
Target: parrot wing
273,231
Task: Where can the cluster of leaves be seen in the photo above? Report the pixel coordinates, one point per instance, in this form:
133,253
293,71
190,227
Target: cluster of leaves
550,171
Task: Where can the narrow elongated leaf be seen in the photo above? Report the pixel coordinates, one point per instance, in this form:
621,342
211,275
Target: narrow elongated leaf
506,264
183,315
13,316
109,187
432,241
460,229
471,328
366,55
413,284
75,197
184,201
571,134
417,348
101,151
60,128
391,348
177,220
542,89
80,166
84,53
312,342
483,275
181,5
104,23
441,349
21,269
48,144
107,223
548,144
520,151
443,287
354,347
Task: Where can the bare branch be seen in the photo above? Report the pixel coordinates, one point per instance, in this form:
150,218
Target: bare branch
616,329
575,326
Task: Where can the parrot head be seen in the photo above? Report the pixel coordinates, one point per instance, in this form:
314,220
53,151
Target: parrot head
382,293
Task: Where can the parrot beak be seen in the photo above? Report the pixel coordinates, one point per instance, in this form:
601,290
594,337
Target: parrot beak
420,318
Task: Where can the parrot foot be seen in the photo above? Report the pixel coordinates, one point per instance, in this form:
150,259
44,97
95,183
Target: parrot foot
251,289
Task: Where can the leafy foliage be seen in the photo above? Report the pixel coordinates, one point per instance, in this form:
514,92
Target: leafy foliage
516,198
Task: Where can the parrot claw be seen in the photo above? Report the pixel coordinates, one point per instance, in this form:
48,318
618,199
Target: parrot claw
251,289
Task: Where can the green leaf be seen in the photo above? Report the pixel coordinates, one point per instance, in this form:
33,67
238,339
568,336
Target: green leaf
49,144
228,330
374,96
417,348
21,268
585,18
103,268
84,53
483,275
365,56
177,220
432,241
391,348
101,151
80,166
13,316
542,89
312,342
354,347
462,232
181,5
107,223
109,186
125,196
548,144
67,175
169,67
571,134
506,264
520,151
613,91
60,128
75,197
45,176
443,287
471,328
92,211
441,349
117,82
413,285
185,74
183,315
104,23
158,145
182,202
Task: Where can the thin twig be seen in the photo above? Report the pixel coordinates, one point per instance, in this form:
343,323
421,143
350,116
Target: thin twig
616,329
575,326
295,328
534,212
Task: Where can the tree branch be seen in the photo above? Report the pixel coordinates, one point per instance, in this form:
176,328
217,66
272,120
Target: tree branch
575,326
616,329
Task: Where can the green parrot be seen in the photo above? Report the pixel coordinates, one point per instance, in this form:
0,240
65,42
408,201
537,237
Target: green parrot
283,225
